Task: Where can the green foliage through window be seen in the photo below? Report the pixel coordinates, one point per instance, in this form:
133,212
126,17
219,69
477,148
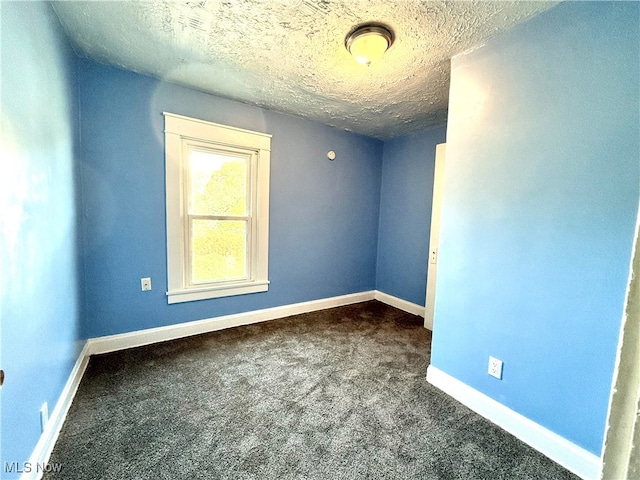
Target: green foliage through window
219,246
219,250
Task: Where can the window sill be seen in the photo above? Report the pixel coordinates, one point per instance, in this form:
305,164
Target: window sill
193,294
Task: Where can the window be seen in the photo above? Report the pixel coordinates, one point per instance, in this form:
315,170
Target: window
217,181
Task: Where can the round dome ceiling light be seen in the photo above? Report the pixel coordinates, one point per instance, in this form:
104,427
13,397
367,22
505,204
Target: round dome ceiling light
368,42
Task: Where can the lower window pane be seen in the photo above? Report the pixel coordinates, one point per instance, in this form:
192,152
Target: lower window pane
218,250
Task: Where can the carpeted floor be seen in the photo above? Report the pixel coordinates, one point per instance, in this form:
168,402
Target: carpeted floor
335,394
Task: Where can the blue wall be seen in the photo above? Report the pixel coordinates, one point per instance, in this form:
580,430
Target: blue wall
323,214
41,292
539,208
540,202
405,214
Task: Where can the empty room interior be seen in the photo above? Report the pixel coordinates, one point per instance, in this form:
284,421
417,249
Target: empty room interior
319,239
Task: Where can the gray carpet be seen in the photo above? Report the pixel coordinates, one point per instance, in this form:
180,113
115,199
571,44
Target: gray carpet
335,394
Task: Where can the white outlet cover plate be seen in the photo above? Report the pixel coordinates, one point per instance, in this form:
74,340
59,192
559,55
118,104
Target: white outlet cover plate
495,368
145,284
44,416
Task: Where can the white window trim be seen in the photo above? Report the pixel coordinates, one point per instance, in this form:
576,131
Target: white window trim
177,130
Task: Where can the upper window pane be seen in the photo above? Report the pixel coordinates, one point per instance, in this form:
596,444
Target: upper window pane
218,183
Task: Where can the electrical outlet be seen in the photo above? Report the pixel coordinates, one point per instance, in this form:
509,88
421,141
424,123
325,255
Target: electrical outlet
495,368
145,284
44,416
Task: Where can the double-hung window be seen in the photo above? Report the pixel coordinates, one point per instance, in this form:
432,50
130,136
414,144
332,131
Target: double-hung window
217,189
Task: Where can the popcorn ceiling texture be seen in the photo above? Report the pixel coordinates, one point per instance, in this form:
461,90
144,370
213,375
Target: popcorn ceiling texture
289,56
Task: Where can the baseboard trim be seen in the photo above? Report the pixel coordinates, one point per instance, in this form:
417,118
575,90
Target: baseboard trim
111,343
405,305
44,447
148,336
572,457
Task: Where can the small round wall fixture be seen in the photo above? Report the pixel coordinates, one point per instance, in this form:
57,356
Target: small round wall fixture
331,155
368,43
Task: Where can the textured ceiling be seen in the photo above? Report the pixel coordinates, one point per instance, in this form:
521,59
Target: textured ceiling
289,55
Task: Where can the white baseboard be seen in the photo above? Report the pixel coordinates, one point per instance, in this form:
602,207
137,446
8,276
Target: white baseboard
148,336
408,307
139,338
93,346
44,447
572,457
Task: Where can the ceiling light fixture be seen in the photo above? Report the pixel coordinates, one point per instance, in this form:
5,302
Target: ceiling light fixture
368,42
